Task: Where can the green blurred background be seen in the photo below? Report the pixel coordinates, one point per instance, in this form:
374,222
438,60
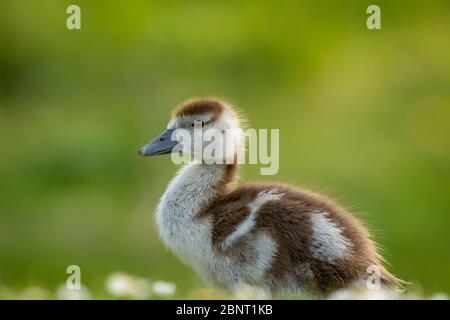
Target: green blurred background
363,117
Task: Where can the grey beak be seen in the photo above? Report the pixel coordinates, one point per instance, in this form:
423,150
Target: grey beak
162,144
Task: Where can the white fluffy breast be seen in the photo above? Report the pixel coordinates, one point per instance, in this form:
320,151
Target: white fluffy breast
185,196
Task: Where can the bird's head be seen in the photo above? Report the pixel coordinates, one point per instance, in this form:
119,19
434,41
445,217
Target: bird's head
210,124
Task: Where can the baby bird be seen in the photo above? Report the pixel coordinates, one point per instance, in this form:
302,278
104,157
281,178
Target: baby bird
272,235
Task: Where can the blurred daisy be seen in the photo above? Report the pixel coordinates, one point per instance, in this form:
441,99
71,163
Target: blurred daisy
439,296
64,293
122,285
247,292
163,289
361,293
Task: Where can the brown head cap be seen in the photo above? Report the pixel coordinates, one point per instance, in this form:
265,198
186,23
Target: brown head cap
202,106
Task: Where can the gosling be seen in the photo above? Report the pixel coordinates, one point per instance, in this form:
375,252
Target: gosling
275,236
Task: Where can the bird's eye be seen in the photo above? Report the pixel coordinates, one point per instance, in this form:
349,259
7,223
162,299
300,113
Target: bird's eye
200,123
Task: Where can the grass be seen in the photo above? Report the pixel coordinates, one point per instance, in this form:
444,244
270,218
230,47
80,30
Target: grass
125,286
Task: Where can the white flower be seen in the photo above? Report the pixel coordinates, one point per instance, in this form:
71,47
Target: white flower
247,292
439,296
122,285
360,293
342,294
64,293
165,289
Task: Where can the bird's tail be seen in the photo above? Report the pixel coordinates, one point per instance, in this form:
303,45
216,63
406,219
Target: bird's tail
391,282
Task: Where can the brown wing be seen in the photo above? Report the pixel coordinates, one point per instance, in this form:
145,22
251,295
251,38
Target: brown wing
229,212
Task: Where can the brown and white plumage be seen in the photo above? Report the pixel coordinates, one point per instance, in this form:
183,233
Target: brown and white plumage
273,235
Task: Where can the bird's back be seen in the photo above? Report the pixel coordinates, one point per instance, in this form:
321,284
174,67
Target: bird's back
318,244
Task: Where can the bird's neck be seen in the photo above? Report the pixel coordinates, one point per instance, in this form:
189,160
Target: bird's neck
197,186
189,195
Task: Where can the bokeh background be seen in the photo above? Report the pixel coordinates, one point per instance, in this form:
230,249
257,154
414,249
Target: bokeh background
363,117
